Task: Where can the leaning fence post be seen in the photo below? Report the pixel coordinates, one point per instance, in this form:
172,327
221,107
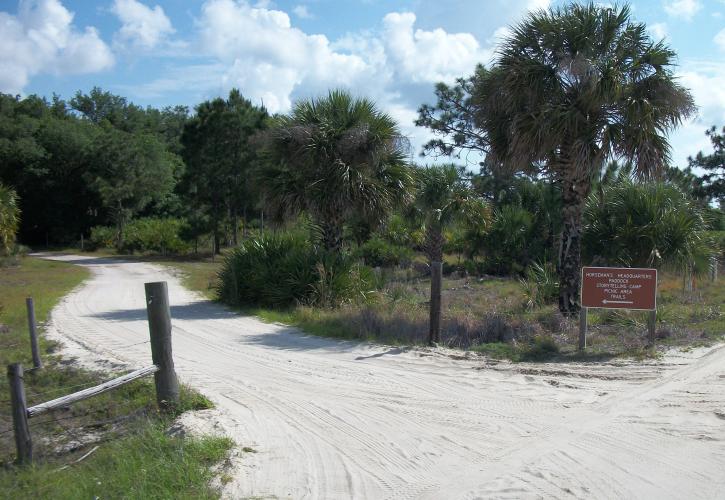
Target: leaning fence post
23,443
33,329
159,316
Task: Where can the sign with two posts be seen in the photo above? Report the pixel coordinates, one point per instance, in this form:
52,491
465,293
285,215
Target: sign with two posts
618,288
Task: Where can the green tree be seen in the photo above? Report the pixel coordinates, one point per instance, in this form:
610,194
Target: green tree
571,88
129,171
713,180
333,157
9,218
220,159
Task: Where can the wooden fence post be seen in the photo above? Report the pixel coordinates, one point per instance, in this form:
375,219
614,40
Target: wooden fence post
23,443
651,328
436,278
582,329
32,327
159,316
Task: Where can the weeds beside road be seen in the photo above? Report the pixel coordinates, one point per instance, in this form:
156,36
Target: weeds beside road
489,315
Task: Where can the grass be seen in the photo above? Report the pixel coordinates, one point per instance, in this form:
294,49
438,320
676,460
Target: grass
146,464
135,458
489,315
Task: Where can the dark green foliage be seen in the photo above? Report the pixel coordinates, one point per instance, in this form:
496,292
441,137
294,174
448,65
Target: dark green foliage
71,170
376,252
642,225
507,243
219,162
284,270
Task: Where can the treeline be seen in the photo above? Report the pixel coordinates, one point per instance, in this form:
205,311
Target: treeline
98,160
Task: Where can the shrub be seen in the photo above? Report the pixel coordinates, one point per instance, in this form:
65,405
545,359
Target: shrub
541,285
377,252
9,218
278,271
645,224
144,235
102,237
508,240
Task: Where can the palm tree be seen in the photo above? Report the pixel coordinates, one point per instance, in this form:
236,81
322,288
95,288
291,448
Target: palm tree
9,218
332,158
442,195
571,88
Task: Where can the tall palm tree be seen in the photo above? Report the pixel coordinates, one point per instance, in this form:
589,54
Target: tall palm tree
333,157
571,88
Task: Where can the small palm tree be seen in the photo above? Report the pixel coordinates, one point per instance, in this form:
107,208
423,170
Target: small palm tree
335,157
571,88
442,195
9,218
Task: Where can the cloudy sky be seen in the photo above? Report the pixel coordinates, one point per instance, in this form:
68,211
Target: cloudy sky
166,52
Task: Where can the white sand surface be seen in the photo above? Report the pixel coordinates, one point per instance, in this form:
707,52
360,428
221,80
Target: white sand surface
338,420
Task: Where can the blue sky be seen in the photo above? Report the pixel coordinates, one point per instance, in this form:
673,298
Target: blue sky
167,52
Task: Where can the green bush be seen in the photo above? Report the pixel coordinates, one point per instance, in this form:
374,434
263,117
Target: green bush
541,285
507,242
144,235
102,237
377,252
279,271
9,219
645,224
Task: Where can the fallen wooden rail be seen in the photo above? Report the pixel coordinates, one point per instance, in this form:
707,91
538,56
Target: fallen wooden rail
64,401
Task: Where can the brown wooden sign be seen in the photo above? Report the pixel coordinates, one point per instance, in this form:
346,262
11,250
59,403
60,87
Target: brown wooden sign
619,288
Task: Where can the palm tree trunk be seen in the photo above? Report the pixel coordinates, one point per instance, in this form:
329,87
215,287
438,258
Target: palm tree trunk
574,195
434,247
331,235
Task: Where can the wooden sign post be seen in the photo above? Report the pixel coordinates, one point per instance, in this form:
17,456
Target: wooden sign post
618,288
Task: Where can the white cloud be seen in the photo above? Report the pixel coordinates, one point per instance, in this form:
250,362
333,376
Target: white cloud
720,39
142,26
658,30
268,59
682,9
429,56
42,39
538,4
302,12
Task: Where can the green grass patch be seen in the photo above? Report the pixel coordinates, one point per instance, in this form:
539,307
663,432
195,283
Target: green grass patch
146,464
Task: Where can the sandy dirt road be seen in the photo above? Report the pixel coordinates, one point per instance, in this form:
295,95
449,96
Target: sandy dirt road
337,420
